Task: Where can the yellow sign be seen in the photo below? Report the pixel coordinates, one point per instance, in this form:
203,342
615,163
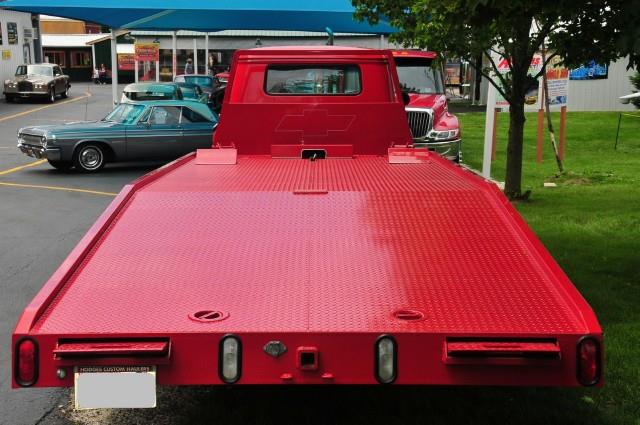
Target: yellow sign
6,54
147,52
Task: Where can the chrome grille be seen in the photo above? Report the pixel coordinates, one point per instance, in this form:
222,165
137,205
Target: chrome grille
419,122
25,86
30,139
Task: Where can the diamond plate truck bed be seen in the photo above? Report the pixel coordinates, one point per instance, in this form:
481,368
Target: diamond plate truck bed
329,254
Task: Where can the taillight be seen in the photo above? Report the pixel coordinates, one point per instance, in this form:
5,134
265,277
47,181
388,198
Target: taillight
385,359
230,359
588,360
26,362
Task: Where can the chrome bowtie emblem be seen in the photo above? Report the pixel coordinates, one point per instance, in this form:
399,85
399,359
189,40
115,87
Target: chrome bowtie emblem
275,348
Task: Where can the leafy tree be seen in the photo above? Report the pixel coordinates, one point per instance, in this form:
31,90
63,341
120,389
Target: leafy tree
635,80
577,31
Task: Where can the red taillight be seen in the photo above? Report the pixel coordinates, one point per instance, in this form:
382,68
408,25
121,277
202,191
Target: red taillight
27,363
588,361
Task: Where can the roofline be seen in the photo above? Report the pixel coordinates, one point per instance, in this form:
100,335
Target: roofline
407,53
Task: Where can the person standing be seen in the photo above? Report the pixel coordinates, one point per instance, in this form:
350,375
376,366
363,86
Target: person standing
211,64
102,74
188,69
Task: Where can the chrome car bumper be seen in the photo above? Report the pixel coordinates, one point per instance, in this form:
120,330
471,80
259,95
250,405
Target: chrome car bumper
40,152
26,93
450,149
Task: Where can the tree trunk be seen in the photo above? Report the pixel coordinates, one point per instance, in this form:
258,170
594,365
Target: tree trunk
513,178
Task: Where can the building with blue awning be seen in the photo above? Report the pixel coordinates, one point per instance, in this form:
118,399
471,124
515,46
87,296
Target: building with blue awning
205,16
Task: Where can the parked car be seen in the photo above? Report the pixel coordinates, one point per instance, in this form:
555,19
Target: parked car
144,130
42,80
212,85
223,77
151,91
193,92
207,83
431,124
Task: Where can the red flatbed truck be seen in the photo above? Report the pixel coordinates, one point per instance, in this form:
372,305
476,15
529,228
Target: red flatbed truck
311,245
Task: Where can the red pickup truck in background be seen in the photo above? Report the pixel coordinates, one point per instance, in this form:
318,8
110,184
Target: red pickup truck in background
310,245
431,124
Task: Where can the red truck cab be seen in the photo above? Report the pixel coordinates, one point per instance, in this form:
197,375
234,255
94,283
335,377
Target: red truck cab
310,245
431,124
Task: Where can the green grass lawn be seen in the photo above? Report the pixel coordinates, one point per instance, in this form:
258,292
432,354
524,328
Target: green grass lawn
591,225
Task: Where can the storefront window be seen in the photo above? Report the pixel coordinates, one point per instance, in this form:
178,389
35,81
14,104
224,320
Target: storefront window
55,56
80,59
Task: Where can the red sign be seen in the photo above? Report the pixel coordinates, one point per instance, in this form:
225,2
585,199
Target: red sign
126,62
147,52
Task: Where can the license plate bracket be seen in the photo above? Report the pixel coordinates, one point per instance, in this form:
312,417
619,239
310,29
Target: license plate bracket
102,387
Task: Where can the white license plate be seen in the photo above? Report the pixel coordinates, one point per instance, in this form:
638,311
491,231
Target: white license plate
102,387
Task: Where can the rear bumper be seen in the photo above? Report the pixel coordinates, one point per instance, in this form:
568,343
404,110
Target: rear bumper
342,358
40,152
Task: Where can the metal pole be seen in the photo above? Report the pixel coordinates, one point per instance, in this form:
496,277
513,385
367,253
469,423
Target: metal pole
114,66
136,68
206,53
618,132
195,55
174,47
93,58
382,41
157,71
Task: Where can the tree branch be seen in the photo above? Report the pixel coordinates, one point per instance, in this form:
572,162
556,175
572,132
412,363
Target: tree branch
544,65
490,79
503,81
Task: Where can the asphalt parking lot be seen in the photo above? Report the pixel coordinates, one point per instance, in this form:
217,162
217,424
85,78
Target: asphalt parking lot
44,213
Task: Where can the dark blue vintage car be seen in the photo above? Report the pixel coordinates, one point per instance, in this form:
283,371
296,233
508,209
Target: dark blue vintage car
149,130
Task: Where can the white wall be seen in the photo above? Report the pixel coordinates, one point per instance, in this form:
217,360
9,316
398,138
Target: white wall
602,95
23,20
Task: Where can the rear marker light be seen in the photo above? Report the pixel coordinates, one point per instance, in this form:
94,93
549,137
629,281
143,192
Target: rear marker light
230,359
386,359
588,361
26,367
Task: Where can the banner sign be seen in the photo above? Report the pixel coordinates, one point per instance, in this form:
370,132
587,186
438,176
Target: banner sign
147,52
532,96
12,32
590,71
126,62
557,83
557,80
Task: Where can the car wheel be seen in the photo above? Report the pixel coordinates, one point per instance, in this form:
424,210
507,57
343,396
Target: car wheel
65,93
52,95
61,165
89,158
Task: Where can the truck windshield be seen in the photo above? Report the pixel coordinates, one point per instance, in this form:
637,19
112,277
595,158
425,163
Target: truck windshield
125,113
46,71
418,76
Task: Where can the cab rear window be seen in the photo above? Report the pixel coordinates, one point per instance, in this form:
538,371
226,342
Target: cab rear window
313,80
